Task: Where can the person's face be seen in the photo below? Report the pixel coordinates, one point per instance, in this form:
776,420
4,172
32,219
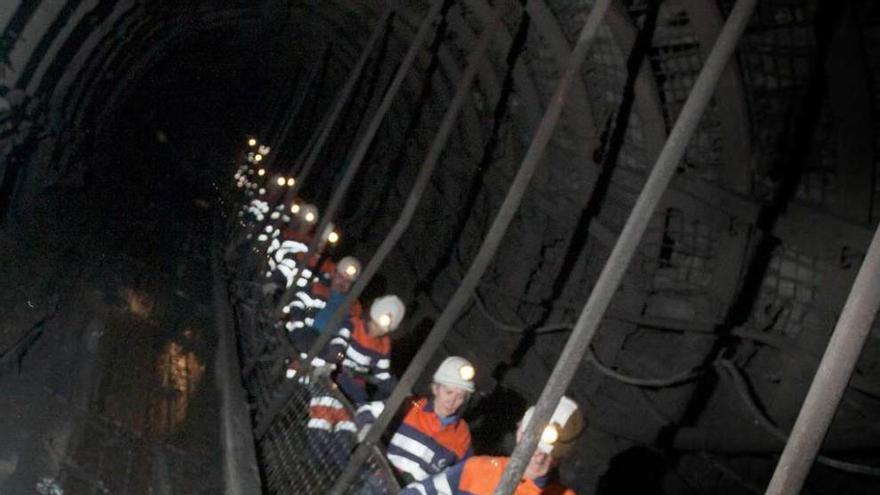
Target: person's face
340,283
540,463
448,400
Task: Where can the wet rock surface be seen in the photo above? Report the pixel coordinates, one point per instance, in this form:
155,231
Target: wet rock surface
107,374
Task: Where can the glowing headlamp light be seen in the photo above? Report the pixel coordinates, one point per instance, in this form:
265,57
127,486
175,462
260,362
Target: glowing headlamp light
550,434
258,157
252,142
310,217
333,238
261,172
384,321
281,181
294,208
351,270
290,182
467,372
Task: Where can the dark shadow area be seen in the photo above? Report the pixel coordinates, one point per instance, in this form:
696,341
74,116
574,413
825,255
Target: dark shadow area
493,418
611,144
635,470
119,379
354,210
798,145
472,192
339,145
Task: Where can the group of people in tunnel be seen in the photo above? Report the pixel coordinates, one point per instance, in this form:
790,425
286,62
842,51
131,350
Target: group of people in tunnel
430,448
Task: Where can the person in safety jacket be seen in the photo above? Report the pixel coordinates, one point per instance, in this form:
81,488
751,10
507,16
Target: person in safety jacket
432,435
254,183
285,254
480,475
300,228
309,268
367,357
267,203
331,431
312,307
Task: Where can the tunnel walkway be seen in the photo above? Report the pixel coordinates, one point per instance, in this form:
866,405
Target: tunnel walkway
113,390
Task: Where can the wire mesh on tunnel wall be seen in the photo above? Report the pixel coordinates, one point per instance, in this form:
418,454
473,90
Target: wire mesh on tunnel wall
300,456
309,441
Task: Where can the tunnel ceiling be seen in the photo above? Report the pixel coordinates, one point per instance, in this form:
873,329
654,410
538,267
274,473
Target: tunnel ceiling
757,240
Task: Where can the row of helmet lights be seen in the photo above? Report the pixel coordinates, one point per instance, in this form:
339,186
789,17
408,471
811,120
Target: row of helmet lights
281,181
467,372
257,157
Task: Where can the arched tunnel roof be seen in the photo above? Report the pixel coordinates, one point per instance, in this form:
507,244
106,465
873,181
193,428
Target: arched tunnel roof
786,152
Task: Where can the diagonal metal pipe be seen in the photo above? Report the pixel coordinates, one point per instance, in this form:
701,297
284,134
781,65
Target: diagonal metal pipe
420,184
305,161
832,376
438,8
366,140
400,226
620,257
339,105
486,253
299,99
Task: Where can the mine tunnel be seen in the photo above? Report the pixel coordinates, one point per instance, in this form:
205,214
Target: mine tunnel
184,186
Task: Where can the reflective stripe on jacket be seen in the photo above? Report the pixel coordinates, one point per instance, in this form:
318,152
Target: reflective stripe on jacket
422,446
479,476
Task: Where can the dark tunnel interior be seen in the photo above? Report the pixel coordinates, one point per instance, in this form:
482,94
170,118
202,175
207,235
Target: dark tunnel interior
142,349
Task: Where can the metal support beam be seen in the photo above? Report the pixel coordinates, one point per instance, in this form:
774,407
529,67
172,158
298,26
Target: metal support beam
360,153
312,150
421,183
339,105
400,226
296,105
412,202
829,384
488,248
612,274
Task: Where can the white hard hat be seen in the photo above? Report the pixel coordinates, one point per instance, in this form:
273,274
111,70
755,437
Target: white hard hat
349,266
559,436
456,372
309,213
388,312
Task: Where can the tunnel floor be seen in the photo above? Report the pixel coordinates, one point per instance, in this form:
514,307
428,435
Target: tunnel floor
112,389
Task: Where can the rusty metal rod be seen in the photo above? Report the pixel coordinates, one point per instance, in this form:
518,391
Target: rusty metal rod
287,388
483,258
341,101
620,257
360,153
832,376
297,102
420,184
277,141
309,155
366,140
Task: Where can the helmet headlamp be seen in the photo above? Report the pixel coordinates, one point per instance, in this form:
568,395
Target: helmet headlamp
550,434
467,372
